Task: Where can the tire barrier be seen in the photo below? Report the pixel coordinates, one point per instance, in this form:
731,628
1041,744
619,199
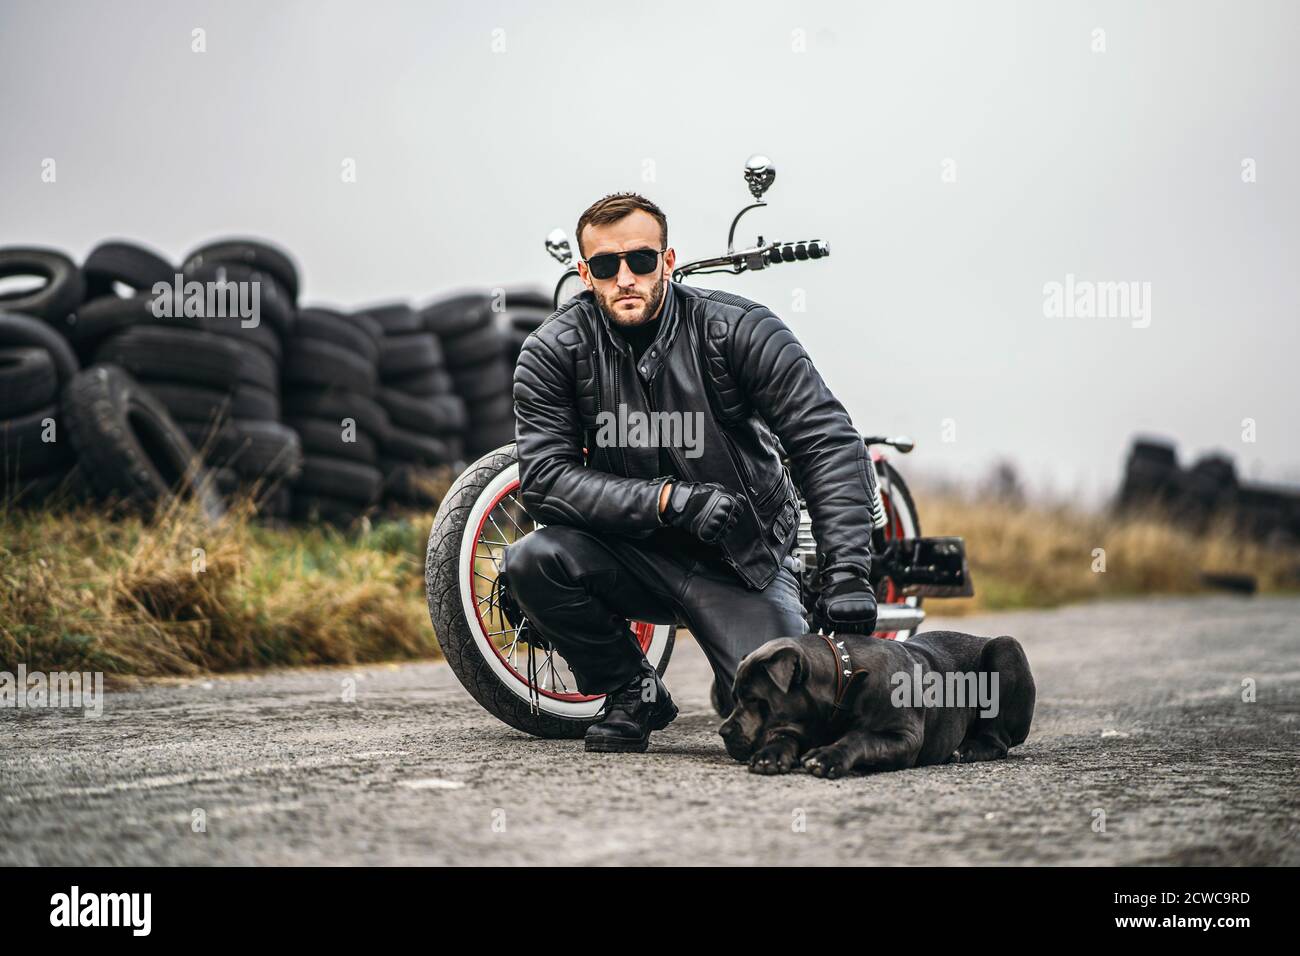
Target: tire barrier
474,327
1207,490
319,413
36,363
129,447
331,373
427,421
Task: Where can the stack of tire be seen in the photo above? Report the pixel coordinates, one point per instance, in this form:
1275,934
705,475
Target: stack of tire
1151,475
526,309
125,444
475,346
120,278
1270,513
209,352
426,435
331,374
1210,487
319,413
257,452
128,446
36,363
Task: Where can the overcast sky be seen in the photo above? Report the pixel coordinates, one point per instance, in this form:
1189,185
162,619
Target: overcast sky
958,156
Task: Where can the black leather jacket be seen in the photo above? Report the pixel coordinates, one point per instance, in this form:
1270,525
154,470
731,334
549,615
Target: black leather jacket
741,367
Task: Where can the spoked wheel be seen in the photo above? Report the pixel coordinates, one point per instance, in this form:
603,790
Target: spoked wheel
902,521
479,517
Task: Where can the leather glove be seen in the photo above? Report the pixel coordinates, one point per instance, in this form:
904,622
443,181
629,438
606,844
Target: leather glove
706,510
847,602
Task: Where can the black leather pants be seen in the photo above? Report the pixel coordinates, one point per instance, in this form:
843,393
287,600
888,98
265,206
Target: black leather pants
580,589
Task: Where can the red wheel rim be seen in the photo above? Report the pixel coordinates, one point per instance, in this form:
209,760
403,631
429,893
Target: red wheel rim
893,531
644,631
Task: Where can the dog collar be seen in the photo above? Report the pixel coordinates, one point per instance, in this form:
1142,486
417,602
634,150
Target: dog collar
844,674
843,667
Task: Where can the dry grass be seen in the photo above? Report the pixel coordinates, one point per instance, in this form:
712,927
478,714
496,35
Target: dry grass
79,590
1041,556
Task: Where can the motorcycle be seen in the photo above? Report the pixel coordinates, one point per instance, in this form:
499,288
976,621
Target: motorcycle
522,680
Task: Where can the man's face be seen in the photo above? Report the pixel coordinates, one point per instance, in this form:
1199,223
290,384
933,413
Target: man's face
627,298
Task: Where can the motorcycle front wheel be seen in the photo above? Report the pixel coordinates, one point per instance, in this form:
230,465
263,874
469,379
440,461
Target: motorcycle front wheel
479,516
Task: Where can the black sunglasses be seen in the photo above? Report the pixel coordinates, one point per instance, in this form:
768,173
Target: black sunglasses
641,261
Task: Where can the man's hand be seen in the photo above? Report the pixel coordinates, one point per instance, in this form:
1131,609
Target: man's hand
705,510
847,602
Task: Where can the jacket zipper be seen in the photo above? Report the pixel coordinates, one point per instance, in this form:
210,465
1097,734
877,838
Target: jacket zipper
739,463
683,475
622,452
595,374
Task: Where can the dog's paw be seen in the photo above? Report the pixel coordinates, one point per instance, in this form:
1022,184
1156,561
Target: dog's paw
976,751
828,762
771,760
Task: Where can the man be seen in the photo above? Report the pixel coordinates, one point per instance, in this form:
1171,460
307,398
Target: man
692,522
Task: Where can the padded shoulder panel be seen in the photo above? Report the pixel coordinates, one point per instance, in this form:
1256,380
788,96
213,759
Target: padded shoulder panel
564,334
719,331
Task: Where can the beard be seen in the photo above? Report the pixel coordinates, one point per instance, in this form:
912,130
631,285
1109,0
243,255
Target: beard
645,313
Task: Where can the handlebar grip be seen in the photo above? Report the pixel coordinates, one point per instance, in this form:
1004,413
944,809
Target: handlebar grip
791,251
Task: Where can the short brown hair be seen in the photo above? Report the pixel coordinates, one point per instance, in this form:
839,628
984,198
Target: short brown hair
614,207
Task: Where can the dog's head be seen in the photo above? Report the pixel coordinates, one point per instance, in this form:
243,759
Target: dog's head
771,690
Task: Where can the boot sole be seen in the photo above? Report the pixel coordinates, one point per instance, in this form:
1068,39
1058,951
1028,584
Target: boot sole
614,745
611,745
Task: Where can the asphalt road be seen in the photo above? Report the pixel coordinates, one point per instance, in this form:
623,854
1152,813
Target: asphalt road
1139,716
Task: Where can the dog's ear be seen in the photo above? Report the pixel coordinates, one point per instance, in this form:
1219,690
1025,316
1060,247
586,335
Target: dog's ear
785,667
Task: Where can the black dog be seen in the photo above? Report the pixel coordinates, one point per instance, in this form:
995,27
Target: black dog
847,702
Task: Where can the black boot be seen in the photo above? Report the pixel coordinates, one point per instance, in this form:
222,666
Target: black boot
628,718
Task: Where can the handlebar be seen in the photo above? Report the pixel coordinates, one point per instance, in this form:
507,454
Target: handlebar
790,251
759,257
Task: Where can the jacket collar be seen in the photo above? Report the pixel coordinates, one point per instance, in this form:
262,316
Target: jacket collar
667,322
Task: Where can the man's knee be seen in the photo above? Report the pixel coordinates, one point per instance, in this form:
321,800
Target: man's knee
540,561
732,622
